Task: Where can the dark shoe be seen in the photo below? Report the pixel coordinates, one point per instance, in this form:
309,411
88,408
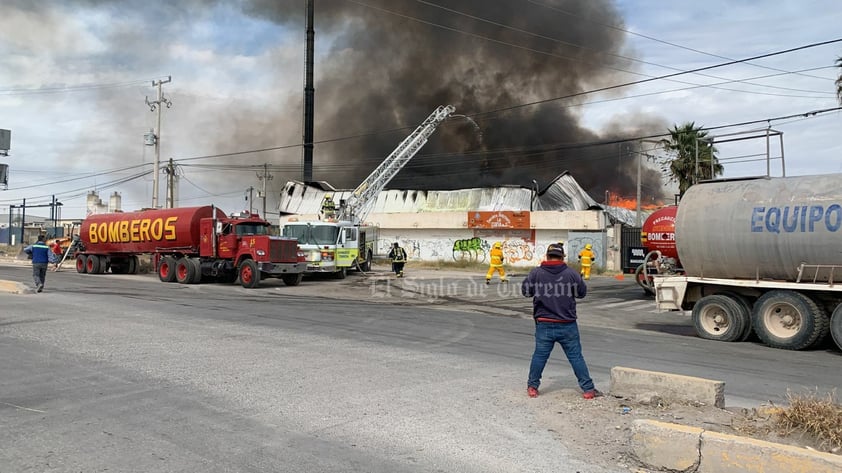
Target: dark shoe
40,288
592,394
504,280
532,392
487,282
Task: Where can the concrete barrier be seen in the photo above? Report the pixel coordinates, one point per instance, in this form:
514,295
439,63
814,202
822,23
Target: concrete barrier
661,445
722,453
671,446
630,382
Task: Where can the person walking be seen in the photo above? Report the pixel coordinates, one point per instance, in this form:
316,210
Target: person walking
496,264
554,288
40,253
398,257
55,254
586,259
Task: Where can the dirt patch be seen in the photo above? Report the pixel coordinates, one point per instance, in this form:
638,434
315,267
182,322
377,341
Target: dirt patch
600,430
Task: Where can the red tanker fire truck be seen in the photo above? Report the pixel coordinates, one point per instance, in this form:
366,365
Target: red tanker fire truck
188,245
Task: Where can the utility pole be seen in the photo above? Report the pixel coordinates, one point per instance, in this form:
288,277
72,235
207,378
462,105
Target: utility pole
263,178
250,197
309,98
153,106
171,177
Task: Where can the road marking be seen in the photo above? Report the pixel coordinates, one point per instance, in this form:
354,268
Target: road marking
618,304
21,407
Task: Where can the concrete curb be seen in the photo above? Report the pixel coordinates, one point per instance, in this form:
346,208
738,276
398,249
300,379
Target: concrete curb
630,382
661,445
13,287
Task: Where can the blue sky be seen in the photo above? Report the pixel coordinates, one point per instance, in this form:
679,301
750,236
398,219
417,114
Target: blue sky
237,85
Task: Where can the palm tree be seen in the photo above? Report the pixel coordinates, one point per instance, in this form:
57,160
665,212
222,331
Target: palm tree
839,80
691,155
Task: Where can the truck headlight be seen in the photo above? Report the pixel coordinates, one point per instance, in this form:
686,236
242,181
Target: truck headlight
260,253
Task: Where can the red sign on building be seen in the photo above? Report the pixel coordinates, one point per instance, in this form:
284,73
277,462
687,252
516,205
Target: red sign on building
504,219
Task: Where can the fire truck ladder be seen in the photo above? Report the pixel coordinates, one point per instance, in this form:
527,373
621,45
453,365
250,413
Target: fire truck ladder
362,200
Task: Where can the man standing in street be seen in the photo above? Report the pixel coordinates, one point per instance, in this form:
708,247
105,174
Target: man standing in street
398,257
40,253
554,288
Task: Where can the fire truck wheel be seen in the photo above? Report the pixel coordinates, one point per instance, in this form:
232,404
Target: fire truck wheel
366,266
184,271
718,317
166,269
341,273
197,270
249,274
836,326
80,264
789,320
292,279
93,265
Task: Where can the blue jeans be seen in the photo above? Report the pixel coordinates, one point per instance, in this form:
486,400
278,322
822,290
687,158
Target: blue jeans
567,335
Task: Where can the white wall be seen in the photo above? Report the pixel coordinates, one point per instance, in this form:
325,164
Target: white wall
432,236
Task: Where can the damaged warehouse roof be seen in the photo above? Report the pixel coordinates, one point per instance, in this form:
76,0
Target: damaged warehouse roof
561,194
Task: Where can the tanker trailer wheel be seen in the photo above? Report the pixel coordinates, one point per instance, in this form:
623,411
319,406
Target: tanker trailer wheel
292,279
166,269
185,271
132,265
249,274
836,326
745,303
81,264
93,264
789,320
641,275
719,317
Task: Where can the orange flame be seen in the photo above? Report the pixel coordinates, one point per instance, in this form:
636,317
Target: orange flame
631,204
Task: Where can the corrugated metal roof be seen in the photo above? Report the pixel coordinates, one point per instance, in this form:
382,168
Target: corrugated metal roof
563,193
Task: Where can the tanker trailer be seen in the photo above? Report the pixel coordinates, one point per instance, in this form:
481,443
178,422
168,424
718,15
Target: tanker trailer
658,238
188,245
762,255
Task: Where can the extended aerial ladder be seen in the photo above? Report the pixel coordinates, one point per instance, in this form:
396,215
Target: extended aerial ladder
358,205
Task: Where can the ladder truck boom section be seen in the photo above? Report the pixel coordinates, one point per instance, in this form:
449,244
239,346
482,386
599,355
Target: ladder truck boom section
362,200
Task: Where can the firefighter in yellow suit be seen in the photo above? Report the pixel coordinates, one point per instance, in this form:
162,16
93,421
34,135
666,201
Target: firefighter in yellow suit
586,259
496,263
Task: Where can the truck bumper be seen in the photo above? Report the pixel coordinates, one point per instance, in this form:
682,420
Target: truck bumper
282,268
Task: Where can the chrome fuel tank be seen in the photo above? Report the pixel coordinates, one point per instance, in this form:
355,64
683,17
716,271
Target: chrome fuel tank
761,227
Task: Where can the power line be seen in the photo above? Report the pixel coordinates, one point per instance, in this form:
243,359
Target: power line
68,88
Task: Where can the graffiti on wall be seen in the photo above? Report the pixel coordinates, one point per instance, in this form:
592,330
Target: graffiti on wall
516,251
470,250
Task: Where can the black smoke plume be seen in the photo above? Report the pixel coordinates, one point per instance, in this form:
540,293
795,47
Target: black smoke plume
387,64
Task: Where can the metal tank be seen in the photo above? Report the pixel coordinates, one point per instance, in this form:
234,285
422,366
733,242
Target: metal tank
146,231
658,232
762,228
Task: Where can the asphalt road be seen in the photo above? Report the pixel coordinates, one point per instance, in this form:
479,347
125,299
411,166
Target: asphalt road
125,373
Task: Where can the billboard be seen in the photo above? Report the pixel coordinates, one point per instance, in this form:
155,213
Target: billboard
503,219
5,140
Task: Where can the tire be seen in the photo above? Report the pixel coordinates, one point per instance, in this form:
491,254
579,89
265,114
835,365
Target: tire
719,317
341,274
133,265
836,326
197,270
249,274
166,269
93,265
789,320
80,264
292,279
366,266
641,276
745,304
185,272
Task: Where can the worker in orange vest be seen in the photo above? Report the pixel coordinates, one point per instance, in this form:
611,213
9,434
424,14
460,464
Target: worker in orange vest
586,259
496,263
